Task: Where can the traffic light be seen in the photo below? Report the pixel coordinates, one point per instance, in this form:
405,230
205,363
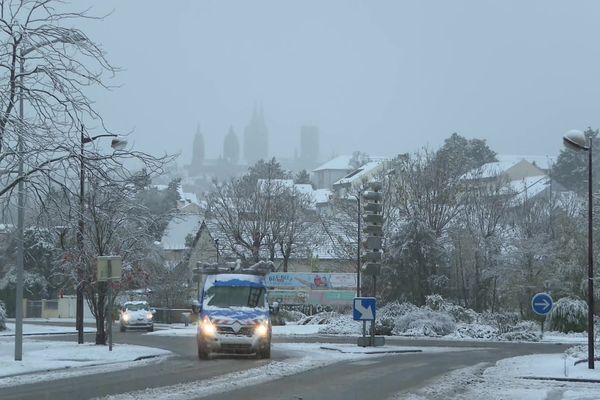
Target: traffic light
373,219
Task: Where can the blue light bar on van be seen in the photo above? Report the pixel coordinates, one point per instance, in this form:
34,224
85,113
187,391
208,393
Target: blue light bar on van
238,282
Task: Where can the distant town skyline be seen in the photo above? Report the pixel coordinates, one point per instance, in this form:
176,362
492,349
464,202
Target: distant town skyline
382,77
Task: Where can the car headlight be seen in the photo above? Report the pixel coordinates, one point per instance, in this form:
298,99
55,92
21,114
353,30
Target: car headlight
125,317
262,329
207,327
149,316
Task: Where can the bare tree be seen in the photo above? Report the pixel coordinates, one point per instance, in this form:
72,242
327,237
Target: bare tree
45,69
476,239
261,217
115,224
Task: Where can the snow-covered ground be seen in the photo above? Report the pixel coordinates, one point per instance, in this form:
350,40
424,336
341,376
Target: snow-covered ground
508,379
532,377
39,329
65,359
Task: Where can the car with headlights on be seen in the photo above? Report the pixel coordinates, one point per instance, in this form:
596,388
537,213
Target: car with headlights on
136,315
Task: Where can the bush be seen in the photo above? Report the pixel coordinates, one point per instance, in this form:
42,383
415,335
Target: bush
395,309
459,313
568,315
342,325
503,322
476,331
523,331
2,316
424,322
321,318
291,315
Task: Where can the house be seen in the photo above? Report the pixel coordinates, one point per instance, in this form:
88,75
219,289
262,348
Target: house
204,249
326,174
521,177
173,241
355,179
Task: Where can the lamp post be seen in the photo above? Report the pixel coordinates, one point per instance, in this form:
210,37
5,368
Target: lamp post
72,38
576,140
116,144
358,244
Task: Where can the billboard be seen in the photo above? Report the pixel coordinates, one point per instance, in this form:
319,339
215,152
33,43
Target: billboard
311,289
308,280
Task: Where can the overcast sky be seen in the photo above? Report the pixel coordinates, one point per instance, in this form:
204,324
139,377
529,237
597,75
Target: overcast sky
383,77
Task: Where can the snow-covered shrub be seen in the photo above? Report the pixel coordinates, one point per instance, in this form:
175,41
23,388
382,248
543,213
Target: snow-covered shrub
434,301
395,309
501,321
424,322
458,313
523,331
341,325
475,331
568,315
2,316
319,318
384,326
291,315
389,313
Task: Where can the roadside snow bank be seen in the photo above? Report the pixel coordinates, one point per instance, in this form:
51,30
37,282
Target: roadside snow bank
66,359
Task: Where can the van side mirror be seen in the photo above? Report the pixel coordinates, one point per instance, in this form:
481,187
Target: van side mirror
274,309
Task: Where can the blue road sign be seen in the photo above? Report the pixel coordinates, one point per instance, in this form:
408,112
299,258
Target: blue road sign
541,303
364,308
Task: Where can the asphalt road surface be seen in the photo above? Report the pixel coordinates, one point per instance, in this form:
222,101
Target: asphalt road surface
375,378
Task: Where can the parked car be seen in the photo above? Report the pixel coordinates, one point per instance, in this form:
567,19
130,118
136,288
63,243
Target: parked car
136,315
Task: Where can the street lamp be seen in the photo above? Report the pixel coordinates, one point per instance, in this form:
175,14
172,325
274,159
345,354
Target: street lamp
576,140
117,144
73,37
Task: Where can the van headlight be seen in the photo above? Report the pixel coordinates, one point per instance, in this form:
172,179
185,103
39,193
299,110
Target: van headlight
262,328
149,316
207,327
125,317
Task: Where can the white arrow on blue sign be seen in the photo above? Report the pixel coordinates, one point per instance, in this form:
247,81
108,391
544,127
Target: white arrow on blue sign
364,308
542,303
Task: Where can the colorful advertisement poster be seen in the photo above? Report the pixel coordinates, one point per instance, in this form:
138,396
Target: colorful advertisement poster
316,280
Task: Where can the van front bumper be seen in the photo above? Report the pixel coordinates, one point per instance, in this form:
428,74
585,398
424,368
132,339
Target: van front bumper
228,343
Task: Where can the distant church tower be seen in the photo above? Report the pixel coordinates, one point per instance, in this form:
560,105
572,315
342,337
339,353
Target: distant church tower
256,138
309,146
231,148
197,152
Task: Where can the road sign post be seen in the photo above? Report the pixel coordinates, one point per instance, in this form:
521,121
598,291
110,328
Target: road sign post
365,309
109,270
542,304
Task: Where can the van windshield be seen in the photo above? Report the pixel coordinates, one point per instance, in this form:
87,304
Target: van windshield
235,296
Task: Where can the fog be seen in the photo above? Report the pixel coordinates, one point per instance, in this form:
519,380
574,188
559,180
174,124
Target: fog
383,77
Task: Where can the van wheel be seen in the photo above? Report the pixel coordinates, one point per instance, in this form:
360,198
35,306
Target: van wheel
203,353
265,353
122,328
151,329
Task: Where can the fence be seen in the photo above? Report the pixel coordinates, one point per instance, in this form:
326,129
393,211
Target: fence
173,315
41,309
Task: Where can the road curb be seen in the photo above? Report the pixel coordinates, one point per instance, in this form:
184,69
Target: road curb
380,351
537,378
